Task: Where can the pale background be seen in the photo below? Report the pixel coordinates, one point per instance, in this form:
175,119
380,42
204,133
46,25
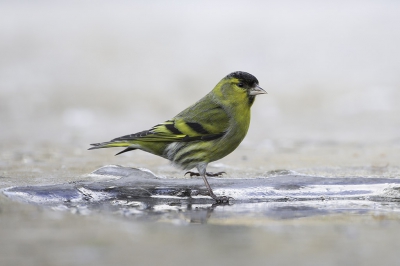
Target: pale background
96,70
77,72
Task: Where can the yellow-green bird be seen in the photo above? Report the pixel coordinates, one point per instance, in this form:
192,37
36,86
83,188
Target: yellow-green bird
205,132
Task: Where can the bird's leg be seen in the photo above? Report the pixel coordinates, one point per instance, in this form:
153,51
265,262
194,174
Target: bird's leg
219,199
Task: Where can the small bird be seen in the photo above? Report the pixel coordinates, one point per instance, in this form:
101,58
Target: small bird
204,132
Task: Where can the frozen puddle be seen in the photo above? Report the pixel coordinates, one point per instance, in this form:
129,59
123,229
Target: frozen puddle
140,194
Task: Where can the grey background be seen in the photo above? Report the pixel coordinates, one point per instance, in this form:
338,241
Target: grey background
78,72
93,71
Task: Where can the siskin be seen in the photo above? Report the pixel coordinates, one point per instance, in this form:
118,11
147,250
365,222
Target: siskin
205,132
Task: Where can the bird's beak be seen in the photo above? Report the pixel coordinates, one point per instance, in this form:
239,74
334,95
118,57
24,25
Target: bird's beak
257,90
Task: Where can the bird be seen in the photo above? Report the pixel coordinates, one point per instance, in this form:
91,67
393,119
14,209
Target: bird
206,131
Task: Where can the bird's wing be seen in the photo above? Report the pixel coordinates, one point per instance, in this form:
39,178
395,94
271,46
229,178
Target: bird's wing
198,122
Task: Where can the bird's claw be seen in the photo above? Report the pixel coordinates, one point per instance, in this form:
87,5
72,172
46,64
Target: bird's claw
223,199
215,174
192,173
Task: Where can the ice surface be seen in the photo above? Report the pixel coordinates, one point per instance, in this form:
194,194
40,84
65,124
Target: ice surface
140,194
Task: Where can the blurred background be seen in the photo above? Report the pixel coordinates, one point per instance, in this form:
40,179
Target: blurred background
78,72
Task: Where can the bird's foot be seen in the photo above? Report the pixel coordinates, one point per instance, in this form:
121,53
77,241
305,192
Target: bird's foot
192,173
207,174
215,174
222,199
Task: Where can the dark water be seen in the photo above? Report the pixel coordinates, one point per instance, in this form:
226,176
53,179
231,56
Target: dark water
139,194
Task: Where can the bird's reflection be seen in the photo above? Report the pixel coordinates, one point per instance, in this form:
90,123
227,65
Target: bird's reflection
196,211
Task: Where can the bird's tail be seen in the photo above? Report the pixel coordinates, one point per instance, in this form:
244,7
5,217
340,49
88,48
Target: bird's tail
112,144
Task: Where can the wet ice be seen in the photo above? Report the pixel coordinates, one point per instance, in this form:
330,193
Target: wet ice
140,194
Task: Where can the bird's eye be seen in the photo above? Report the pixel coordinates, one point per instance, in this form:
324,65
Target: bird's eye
240,85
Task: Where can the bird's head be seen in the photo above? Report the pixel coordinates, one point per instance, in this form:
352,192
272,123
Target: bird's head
240,85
